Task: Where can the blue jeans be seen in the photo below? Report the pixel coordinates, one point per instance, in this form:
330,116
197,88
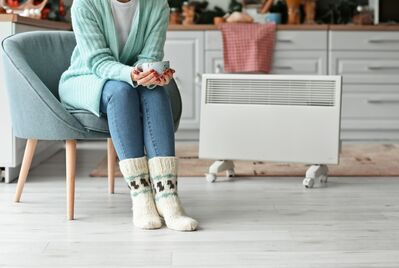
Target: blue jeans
139,119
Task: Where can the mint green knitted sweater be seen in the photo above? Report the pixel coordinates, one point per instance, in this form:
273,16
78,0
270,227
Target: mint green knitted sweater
96,57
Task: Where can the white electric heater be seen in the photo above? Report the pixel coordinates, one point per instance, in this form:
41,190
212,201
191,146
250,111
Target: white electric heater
277,118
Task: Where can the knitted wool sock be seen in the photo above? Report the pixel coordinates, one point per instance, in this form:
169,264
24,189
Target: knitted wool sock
163,174
135,172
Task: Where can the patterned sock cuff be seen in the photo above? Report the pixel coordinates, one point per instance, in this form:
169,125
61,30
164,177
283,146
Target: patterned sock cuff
162,166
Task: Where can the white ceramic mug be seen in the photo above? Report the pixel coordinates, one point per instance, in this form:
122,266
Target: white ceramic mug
159,66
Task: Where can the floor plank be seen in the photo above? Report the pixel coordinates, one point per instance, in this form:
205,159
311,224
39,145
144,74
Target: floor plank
251,222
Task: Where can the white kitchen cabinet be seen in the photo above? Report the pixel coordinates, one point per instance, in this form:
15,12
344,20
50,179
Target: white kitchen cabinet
185,51
366,40
12,148
369,64
300,62
366,67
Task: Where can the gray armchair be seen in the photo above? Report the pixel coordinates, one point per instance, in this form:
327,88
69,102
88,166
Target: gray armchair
33,64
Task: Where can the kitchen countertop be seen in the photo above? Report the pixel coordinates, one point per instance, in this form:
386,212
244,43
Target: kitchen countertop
379,27
205,27
56,25
301,27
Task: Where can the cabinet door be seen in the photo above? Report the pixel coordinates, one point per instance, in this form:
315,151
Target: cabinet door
300,62
366,40
366,67
185,51
284,62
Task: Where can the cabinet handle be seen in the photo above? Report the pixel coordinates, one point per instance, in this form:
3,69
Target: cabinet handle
284,40
379,41
283,67
383,67
219,69
198,79
382,101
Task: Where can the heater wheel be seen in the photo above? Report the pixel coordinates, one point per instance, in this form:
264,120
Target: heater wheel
308,182
210,177
316,172
220,166
230,173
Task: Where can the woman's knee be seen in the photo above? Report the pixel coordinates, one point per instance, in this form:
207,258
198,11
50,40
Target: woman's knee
120,92
157,94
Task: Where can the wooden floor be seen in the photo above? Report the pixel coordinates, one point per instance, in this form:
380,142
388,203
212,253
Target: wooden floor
255,222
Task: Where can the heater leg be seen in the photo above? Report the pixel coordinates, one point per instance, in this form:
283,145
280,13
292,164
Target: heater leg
316,172
219,166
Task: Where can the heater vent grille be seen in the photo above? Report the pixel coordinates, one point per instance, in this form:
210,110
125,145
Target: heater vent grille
271,92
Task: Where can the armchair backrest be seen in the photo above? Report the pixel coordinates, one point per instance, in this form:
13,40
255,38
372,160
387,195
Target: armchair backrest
36,50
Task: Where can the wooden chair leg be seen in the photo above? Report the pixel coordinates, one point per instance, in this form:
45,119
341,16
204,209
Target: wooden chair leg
70,177
111,156
26,163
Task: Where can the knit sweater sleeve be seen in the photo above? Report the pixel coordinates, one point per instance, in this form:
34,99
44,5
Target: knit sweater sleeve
93,47
153,49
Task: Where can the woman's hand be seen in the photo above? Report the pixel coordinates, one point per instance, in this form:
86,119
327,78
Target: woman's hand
145,78
165,78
